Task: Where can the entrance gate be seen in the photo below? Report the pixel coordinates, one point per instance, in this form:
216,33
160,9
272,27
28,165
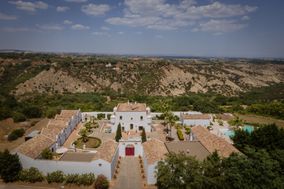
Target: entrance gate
129,150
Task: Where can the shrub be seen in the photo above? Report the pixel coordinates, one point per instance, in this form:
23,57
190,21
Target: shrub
10,166
101,116
46,154
15,134
87,179
31,175
18,117
57,177
72,179
187,130
180,135
32,112
84,179
101,182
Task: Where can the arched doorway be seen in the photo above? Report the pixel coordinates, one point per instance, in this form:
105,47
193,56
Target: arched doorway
129,150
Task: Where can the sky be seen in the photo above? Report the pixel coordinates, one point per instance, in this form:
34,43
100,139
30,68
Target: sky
224,28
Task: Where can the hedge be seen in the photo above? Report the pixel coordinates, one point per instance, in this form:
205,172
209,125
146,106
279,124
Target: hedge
31,175
57,177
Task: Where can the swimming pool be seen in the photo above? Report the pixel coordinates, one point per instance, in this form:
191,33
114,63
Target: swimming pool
229,133
248,128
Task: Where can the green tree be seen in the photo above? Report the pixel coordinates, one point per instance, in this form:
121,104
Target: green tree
170,120
178,171
143,135
118,134
32,112
46,154
10,166
84,135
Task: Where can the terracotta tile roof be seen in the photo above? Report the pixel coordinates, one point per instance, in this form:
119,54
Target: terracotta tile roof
196,116
33,147
51,132
212,142
57,123
78,156
190,148
131,107
106,150
154,150
68,113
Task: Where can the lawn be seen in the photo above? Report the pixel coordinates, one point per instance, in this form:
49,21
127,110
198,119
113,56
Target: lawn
251,118
93,142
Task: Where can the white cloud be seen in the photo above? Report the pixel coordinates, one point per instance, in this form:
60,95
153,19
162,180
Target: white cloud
54,27
79,27
99,33
160,15
220,26
62,8
245,18
95,9
4,16
120,32
29,6
105,28
76,1
67,22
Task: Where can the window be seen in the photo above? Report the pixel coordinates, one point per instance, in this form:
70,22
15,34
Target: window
141,117
131,126
131,118
122,128
100,164
120,117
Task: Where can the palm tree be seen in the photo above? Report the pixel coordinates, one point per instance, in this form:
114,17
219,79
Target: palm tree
170,120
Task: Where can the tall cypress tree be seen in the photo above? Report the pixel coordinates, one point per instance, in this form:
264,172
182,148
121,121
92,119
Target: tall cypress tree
118,133
143,135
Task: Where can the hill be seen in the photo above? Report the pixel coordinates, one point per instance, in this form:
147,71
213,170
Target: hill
24,74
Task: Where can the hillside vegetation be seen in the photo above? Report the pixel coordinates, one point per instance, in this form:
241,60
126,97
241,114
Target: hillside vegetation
40,85
23,74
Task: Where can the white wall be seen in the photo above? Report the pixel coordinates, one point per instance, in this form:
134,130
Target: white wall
134,118
193,122
151,175
68,167
138,151
114,161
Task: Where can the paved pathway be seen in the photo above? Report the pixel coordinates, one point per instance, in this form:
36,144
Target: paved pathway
129,176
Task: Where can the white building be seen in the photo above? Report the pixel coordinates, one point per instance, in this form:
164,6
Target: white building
195,119
132,117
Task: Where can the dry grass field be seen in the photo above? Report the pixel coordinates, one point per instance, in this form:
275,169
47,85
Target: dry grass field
8,125
261,119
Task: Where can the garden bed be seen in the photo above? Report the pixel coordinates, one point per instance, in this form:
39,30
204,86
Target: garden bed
92,142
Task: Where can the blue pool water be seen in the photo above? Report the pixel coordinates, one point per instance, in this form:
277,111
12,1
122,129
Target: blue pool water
248,128
229,133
